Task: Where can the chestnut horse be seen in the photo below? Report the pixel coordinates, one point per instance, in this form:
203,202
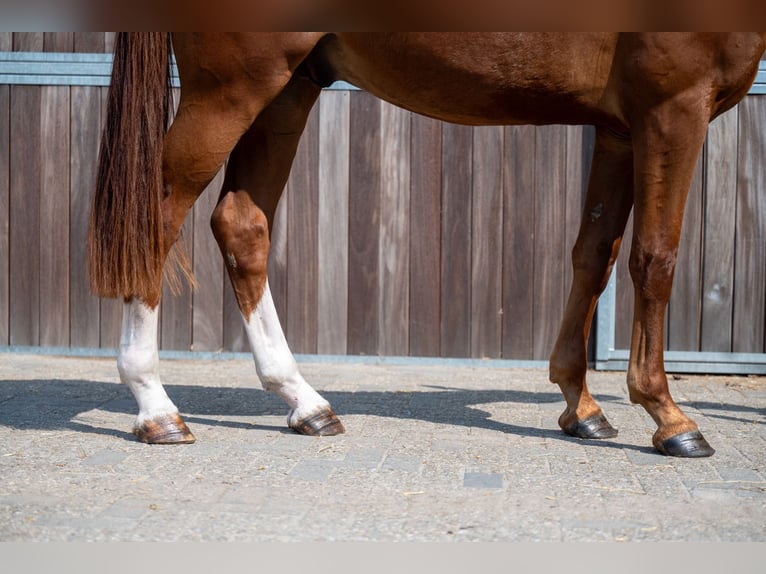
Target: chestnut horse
246,97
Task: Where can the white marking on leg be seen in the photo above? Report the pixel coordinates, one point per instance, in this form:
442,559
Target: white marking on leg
138,361
275,364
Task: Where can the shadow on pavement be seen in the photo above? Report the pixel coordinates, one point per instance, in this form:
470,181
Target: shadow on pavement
53,404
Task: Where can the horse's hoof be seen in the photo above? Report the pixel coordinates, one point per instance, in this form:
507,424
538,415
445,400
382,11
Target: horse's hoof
595,426
687,444
324,423
167,429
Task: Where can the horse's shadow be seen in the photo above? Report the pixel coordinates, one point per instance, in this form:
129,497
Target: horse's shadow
49,405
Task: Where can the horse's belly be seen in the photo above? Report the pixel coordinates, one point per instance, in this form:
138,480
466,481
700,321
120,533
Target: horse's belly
482,78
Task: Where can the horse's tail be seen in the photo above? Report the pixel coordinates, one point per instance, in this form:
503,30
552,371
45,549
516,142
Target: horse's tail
125,239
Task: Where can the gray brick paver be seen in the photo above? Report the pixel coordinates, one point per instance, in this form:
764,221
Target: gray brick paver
431,453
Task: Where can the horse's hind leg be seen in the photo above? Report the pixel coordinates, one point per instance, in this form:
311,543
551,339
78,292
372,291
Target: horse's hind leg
607,207
256,174
209,123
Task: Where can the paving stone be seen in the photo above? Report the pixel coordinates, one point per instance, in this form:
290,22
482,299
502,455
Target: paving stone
431,453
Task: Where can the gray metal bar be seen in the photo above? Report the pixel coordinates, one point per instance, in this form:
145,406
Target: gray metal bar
608,358
65,69
86,352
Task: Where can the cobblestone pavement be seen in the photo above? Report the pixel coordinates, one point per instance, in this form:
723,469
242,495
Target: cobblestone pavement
431,453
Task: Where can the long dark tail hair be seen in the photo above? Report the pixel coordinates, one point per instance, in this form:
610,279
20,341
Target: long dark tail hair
126,247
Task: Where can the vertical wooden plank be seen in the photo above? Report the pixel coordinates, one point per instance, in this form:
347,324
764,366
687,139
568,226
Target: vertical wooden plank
207,307
332,271
519,238
394,247
58,42
425,236
301,322
25,216
28,41
456,241
54,217
278,258
625,296
363,224
549,252
750,287
176,316
89,42
234,336
576,186
683,314
109,42
5,143
6,41
84,311
720,219
487,243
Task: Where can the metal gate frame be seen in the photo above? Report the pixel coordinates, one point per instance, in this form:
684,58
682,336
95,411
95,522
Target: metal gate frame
608,358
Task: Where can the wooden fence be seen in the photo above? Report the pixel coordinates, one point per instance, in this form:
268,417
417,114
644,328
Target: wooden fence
396,235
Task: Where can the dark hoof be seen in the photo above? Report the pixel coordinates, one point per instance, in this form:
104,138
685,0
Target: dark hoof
168,429
593,427
324,423
688,444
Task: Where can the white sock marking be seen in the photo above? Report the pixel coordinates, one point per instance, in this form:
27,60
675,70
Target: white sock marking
275,364
138,361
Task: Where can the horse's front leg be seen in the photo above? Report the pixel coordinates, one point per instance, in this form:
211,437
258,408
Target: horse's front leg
255,176
667,143
607,207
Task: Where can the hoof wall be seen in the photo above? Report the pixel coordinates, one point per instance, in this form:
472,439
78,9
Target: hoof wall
689,445
592,427
168,429
324,423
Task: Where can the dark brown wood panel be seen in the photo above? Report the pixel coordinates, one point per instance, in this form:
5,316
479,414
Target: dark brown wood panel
302,198
28,41
394,246
719,230
207,308
5,143
84,309
684,309
25,216
332,223
425,236
363,225
176,312
550,249
519,238
58,42
457,143
750,249
54,211
397,235
487,243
